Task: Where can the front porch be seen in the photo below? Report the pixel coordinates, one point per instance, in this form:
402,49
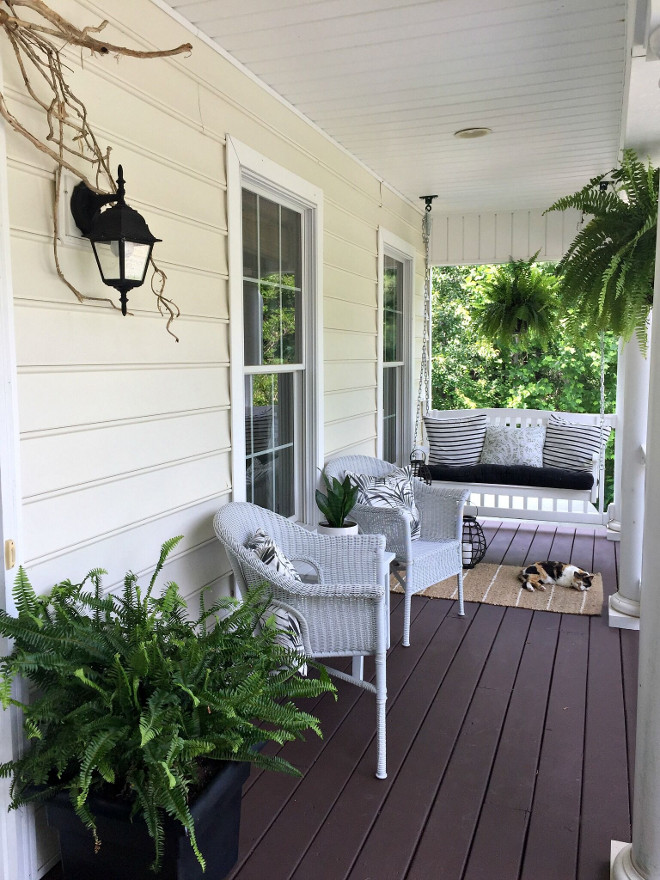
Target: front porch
510,746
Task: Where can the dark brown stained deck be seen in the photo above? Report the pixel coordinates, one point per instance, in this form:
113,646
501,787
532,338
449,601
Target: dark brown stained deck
510,737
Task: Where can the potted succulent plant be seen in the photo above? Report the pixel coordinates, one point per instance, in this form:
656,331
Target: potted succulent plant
335,504
144,719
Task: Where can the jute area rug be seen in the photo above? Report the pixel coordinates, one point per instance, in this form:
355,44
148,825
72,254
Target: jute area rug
499,585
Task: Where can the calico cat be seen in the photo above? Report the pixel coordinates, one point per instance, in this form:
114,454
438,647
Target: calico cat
538,575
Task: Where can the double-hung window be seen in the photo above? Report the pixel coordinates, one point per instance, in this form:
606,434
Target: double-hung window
273,350
275,330
396,274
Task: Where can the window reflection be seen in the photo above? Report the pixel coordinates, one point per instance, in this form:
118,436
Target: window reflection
269,435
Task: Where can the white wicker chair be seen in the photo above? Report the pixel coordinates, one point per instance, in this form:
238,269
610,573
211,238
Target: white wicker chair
436,555
344,614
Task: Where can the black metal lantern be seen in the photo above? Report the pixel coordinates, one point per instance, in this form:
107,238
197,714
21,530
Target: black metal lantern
120,237
418,466
473,544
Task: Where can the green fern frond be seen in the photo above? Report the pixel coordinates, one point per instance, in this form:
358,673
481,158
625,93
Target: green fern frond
608,270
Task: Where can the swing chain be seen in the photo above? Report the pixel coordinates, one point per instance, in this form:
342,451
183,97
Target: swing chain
424,374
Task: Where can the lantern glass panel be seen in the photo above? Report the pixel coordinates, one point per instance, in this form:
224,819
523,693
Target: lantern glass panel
107,255
136,257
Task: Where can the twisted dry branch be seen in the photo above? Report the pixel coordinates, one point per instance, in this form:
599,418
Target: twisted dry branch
70,140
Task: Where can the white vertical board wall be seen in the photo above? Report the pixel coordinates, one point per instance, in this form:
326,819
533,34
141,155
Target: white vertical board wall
470,239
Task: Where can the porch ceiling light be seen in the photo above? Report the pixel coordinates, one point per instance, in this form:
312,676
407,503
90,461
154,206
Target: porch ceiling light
120,237
469,133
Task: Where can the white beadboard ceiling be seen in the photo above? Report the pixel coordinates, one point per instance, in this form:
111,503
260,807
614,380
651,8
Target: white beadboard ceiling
392,80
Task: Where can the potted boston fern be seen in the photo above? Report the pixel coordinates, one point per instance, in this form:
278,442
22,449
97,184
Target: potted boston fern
143,720
518,305
607,272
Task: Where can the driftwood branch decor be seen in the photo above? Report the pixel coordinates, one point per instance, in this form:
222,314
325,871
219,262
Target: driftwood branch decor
38,35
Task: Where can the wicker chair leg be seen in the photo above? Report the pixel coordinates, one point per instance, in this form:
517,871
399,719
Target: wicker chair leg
461,607
357,669
381,700
406,619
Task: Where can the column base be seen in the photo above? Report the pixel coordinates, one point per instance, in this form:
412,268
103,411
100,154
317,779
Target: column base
623,613
613,530
621,866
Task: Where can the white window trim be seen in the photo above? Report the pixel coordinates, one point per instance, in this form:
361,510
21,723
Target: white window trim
393,246
17,832
245,166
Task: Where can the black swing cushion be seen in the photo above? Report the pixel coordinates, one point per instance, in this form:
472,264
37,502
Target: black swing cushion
514,475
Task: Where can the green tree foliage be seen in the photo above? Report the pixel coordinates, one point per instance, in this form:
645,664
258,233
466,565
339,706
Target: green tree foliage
470,371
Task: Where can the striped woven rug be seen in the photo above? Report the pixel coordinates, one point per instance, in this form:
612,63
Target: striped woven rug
499,585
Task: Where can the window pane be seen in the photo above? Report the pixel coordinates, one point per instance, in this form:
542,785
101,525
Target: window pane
291,248
269,435
250,236
391,416
269,240
291,320
392,310
252,323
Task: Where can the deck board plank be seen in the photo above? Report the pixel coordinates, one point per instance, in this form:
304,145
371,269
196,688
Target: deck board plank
503,822
393,838
556,806
358,806
458,803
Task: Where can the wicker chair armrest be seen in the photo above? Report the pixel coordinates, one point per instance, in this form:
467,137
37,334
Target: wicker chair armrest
392,523
441,510
309,560
256,574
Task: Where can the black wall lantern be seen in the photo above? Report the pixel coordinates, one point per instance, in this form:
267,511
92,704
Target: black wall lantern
120,237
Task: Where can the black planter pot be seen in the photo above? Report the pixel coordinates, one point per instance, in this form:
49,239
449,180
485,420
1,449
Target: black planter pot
126,849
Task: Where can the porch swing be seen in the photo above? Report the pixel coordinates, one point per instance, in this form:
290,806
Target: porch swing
527,464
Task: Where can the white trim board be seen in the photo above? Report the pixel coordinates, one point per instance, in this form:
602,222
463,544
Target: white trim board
17,844
393,246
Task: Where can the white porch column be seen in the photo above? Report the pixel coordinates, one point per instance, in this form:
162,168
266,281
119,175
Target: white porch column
641,859
614,508
624,605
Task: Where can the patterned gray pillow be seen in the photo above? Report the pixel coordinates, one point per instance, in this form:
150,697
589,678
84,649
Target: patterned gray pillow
394,490
289,634
513,446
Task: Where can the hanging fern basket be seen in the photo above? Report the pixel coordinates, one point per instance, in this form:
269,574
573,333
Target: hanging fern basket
127,849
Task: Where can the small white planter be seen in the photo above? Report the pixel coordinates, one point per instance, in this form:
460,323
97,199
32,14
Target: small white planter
348,529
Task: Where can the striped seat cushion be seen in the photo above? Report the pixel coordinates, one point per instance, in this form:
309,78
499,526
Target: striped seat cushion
571,445
455,442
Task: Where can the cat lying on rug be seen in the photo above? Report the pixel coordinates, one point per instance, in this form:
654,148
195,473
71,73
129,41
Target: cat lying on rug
539,574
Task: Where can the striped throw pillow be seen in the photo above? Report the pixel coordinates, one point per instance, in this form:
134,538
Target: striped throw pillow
455,442
289,634
570,445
